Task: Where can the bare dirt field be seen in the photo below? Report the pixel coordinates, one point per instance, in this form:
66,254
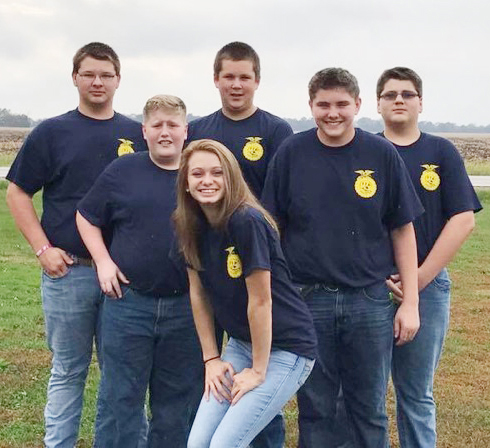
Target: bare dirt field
11,139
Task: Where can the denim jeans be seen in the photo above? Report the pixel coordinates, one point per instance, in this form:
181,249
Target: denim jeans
149,342
219,425
414,366
274,434
71,307
355,341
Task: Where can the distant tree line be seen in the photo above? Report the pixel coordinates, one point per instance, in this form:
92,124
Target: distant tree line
7,119
10,120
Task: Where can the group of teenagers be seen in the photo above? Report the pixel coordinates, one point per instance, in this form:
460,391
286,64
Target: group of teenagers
224,265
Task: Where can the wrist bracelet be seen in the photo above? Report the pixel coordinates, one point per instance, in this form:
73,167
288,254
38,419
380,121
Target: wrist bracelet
210,359
43,249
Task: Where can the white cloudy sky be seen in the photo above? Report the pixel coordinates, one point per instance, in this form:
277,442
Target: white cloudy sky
168,46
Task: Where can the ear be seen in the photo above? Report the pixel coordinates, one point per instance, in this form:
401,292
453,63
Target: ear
378,106
143,128
421,105
358,104
186,129
216,81
74,78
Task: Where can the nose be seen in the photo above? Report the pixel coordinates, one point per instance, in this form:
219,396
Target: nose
236,84
164,130
207,179
97,80
399,98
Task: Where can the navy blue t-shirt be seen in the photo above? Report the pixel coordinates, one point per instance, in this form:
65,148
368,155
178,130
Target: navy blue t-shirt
337,206
135,199
253,140
64,155
228,257
439,177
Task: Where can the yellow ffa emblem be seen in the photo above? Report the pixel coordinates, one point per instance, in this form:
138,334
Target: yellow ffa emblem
365,185
429,179
126,147
233,263
253,150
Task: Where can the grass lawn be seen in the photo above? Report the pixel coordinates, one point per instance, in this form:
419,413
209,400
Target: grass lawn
461,388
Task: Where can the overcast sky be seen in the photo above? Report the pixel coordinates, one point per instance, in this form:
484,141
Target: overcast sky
168,46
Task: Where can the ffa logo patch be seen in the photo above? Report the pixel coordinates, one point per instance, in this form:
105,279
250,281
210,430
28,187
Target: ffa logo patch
126,147
429,179
233,263
365,185
253,150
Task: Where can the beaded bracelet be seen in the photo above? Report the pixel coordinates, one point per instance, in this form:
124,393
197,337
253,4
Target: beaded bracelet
43,249
210,359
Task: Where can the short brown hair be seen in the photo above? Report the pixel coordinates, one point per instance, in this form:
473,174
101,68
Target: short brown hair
333,78
164,102
237,51
402,74
96,50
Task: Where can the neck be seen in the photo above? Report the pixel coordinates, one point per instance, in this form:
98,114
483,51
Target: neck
241,115
169,163
336,142
211,212
97,111
401,135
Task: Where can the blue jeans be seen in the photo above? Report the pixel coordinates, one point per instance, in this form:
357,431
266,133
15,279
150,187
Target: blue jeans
149,342
415,364
219,425
355,341
71,307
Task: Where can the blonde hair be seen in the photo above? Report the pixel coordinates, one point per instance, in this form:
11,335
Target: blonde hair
164,102
236,195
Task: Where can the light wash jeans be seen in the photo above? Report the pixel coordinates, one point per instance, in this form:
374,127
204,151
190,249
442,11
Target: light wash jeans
149,342
414,365
71,307
219,425
355,341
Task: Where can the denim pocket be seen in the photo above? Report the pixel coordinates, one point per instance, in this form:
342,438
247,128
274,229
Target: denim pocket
68,269
378,293
444,284
309,363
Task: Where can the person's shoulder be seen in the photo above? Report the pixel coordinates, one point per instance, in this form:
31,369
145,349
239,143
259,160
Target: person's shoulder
271,117
55,122
204,120
126,121
245,216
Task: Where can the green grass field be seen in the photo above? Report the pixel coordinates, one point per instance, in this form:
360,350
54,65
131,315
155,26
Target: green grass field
461,387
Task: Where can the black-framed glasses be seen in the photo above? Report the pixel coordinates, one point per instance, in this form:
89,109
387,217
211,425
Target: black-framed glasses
392,95
90,77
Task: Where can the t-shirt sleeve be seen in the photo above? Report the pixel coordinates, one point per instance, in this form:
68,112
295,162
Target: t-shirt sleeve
33,168
458,194
95,206
282,131
404,203
249,233
275,189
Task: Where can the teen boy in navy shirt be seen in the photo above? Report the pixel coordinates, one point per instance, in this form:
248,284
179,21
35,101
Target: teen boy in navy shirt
63,156
345,206
252,135
440,179
148,334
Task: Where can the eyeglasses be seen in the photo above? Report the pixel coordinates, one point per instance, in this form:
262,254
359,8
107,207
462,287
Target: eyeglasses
90,77
405,94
